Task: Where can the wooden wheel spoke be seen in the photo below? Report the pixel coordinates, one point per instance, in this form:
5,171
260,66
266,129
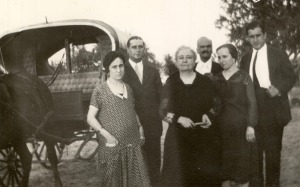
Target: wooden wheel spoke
8,180
13,180
19,173
3,161
41,150
17,179
58,148
18,165
5,174
5,167
18,170
3,153
45,156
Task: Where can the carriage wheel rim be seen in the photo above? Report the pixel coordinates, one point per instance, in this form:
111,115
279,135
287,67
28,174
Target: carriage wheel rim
11,168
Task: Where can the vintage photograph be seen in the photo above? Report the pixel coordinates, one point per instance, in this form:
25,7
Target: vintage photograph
161,93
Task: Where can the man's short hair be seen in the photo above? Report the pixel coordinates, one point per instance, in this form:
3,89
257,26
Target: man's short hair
134,38
255,24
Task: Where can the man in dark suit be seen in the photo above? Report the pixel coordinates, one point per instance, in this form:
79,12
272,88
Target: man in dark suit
206,66
144,79
273,77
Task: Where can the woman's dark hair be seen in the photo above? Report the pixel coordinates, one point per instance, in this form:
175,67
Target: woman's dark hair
110,57
232,50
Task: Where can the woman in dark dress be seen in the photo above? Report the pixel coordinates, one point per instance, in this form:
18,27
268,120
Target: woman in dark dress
189,105
120,162
237,119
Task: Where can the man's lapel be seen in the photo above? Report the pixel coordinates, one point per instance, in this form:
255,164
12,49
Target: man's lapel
271,60
248,61
132,74
146,73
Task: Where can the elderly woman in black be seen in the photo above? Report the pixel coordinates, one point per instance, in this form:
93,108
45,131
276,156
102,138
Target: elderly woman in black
189,105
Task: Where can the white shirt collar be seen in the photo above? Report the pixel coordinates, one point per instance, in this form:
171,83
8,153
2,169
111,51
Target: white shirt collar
262,67
262,49
115,91
139,64
204,67
133,64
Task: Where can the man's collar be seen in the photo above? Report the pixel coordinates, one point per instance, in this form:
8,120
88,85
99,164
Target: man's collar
263,48
205,63
132,62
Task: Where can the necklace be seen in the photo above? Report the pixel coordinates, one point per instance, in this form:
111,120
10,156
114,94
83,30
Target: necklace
118,87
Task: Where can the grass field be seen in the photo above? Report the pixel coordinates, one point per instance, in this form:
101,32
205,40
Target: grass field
82,173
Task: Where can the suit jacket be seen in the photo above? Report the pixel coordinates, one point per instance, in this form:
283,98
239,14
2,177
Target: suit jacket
215,68
146,94
282,77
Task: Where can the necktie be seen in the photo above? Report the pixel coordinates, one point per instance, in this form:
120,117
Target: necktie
138,73
255,80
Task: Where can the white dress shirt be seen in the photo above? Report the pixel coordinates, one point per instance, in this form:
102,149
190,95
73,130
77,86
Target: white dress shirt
204,67
262,67
139,64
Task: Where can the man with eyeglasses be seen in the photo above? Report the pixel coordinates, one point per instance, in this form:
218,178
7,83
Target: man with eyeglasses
144,79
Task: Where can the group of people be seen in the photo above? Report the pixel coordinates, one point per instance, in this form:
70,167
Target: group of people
224,119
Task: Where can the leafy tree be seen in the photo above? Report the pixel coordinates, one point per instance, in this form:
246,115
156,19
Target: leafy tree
169,66
150,57
83,60
281,19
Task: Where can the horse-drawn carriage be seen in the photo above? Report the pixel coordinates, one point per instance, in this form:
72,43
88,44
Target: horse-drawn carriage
48,72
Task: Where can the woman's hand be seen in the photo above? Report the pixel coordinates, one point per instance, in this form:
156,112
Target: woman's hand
250,134
186,122
142,136
111,141
207,121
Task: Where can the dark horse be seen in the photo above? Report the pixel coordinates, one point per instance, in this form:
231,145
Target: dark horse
26,109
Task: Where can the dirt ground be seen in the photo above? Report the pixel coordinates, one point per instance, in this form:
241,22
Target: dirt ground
79,173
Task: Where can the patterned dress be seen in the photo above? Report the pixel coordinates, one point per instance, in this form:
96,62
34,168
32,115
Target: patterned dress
239,157
124,164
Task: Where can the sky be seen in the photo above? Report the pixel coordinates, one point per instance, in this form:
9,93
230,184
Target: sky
163,24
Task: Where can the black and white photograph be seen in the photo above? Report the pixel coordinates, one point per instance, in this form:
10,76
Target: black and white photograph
161,93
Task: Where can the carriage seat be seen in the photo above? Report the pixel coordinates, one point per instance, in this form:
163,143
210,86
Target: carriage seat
85,82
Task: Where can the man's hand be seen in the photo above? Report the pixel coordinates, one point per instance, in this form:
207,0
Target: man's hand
250,134
273,91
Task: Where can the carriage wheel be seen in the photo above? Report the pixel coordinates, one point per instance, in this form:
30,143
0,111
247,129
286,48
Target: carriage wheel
42,156
11,171
88,149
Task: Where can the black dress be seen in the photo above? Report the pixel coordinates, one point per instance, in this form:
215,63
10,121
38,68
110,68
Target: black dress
191,155
239,111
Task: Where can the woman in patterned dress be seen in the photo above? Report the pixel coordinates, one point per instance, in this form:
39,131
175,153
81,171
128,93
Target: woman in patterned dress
237,120
120,162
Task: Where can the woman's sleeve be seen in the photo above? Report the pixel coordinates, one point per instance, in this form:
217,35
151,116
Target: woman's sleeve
166,104
251,102
96,98
216,108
